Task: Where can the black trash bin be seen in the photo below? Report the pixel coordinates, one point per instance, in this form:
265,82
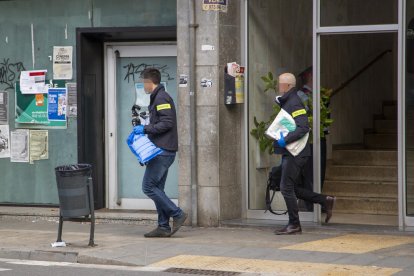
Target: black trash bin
74,183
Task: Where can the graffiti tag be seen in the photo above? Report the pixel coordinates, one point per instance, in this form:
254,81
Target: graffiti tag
10,72
136,70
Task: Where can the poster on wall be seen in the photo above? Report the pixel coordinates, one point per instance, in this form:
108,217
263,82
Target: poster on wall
39,145
4,114
72,110
57,103
4,141
62,62
31,110
33,82
19,146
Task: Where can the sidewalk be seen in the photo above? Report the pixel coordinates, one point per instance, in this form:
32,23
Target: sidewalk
320,250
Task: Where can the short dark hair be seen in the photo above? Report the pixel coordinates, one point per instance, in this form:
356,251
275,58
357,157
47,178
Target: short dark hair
152,74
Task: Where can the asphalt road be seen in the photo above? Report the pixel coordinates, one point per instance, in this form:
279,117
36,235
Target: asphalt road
9,267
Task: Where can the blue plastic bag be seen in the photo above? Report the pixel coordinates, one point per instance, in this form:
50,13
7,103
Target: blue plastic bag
142,147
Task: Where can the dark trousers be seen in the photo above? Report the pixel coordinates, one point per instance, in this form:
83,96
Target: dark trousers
153,186
292,168
307,172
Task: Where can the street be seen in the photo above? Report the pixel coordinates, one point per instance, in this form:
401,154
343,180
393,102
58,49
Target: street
9,267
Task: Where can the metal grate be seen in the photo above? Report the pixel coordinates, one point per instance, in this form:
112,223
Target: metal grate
201,272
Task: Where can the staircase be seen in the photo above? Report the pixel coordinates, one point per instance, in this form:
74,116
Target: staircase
364,177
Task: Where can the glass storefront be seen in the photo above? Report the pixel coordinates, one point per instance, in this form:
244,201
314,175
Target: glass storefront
280,40
280,37
357,12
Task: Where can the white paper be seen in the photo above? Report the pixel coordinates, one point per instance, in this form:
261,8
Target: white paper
58,244
4,141
282,125
4,113
39,145
19,145
72,110
233,68
33,82
62,62
183,81
207,47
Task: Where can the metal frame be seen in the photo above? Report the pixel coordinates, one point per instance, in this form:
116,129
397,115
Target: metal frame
404,220
245,127
399,28
160,49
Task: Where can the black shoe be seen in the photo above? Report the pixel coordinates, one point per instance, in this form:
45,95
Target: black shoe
289,229
329,205
178,222
158,233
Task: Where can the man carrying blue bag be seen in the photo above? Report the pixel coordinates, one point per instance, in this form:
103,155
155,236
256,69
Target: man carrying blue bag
162,131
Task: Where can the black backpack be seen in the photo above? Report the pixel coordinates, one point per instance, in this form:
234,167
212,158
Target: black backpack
273,186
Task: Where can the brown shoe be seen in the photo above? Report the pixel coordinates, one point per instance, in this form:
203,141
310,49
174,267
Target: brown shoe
329,205
289,229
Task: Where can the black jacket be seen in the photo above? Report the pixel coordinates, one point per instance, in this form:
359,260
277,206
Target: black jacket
293,105
162,129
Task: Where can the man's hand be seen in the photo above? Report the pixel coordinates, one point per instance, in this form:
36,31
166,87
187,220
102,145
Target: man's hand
139,129
281,142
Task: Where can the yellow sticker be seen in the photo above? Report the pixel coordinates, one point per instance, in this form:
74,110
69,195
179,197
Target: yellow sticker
298,112
163,106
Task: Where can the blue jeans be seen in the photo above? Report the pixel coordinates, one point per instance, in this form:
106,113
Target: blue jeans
153,185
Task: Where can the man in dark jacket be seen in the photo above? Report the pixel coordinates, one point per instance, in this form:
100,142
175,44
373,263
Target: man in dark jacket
292,166
162,131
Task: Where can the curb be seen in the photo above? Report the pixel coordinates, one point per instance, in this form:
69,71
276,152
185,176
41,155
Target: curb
98,219
58,256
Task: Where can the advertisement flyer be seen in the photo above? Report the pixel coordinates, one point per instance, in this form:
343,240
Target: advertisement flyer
62,62
4,141
4,114
19,146
39,145
57,102
31,110
72,100
33,82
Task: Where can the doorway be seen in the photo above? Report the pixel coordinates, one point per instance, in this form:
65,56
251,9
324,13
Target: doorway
124,88
90,74
361,71
372,21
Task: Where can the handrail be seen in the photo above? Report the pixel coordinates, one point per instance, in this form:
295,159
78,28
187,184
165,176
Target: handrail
372,62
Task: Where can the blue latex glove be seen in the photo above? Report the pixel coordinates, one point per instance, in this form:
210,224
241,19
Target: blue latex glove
139,129
281,142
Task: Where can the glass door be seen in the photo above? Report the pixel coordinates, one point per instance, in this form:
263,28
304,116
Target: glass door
361,22
125,64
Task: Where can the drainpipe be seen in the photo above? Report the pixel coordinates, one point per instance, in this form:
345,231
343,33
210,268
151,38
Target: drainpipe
193,139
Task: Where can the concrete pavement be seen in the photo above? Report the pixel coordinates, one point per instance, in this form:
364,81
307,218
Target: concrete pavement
320,250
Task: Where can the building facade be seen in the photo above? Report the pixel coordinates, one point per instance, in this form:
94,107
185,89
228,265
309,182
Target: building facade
362,52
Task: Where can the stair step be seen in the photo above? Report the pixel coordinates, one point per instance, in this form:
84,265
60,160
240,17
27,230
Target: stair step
389,127
365,157
364,173
358,205
385,126
380,140
390,111
385,141
377,189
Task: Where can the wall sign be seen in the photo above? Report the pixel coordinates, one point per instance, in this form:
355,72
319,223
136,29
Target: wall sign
215,5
